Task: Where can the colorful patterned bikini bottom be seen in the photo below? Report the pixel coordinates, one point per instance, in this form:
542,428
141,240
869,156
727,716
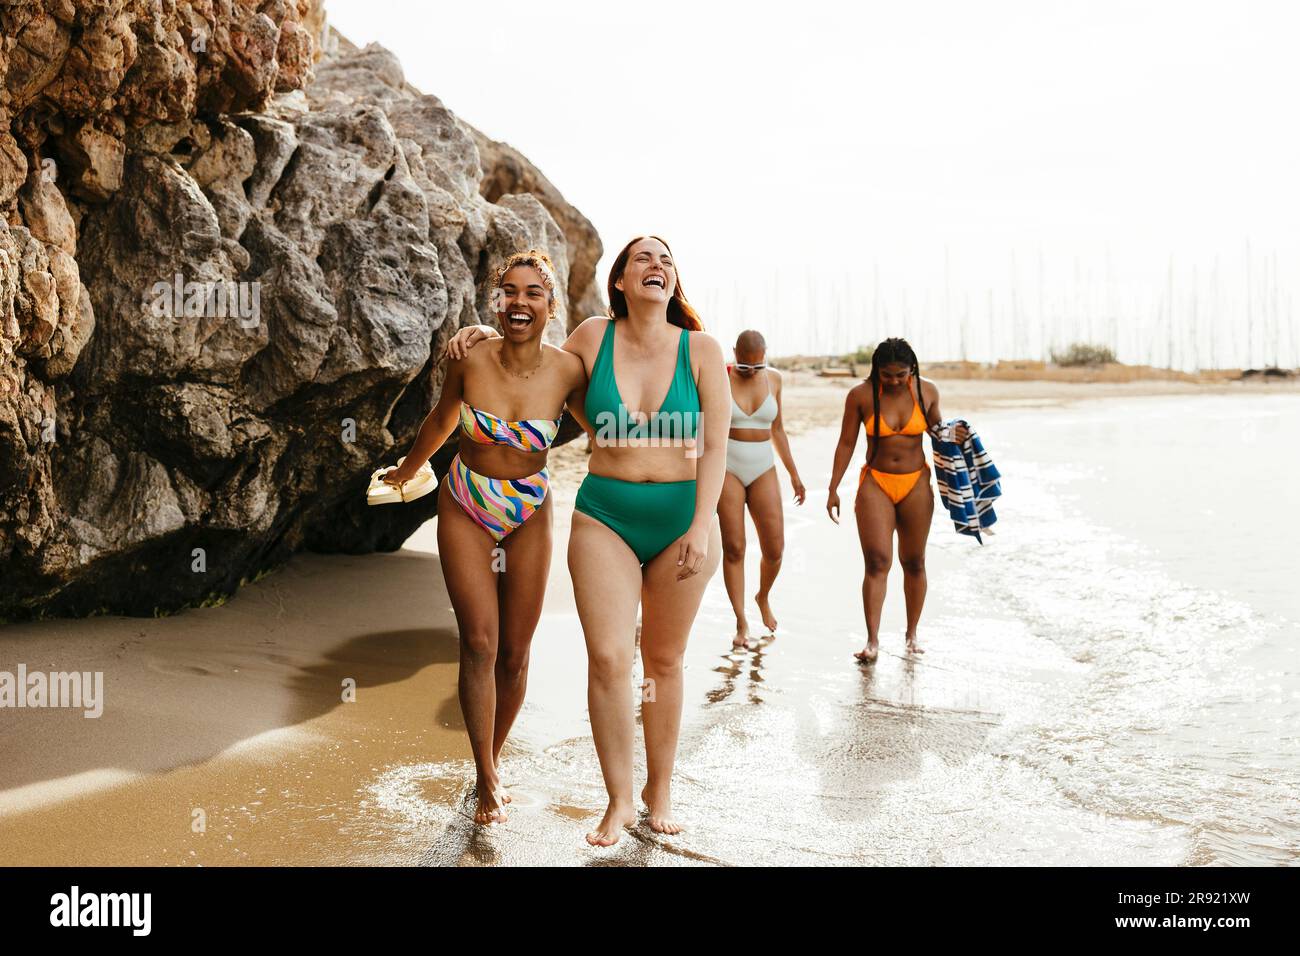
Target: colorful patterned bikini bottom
497,505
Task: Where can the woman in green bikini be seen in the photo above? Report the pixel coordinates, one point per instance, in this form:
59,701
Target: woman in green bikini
644,527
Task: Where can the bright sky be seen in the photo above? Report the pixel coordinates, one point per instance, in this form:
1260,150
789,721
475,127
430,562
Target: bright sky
792,153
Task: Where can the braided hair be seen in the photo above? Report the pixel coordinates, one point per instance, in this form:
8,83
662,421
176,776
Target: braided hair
892,352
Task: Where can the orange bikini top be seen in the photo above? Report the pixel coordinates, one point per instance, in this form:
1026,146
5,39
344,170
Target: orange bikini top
915,425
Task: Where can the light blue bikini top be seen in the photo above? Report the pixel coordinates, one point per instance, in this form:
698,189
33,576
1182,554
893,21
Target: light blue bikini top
761,417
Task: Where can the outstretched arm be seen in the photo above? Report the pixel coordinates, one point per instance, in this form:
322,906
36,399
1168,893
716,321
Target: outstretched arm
467,337
458,346
715,413
438,425
844,449
782,444
710,451
576,401
934,417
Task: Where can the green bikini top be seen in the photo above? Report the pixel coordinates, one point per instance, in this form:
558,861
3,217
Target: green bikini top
676,418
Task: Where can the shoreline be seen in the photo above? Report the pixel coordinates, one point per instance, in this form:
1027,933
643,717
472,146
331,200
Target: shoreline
1018,370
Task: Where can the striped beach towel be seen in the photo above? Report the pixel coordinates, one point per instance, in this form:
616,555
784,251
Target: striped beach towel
968,479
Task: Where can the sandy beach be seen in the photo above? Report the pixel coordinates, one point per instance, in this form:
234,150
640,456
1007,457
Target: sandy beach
226,737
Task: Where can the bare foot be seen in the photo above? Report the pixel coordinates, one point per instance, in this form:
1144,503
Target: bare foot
501,787
661,813
769,621
741,641
490,807
912,646
869,653
610,829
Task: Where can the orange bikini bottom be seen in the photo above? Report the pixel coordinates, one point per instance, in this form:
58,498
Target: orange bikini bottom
895,486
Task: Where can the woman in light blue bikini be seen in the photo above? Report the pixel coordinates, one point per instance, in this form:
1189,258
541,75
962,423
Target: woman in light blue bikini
494,510
751,480
644,531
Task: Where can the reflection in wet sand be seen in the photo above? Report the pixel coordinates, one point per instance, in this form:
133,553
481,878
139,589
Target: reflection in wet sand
734,664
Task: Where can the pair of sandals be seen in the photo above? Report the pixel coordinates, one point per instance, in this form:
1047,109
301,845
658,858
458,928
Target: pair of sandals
381,492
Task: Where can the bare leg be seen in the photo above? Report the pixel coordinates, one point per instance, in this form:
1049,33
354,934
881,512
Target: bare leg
764,499
519,596
466,558
913,515
606,587
731,519
668,611
875,514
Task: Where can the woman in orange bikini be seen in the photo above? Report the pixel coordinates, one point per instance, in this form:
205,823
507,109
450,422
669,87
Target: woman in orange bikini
898,495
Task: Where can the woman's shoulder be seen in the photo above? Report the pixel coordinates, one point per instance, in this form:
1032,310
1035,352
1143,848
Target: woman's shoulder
564,360
704,344
484,353
592,325
929,390
587,334
861,394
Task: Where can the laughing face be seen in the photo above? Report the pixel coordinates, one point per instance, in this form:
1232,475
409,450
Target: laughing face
649,275
522,303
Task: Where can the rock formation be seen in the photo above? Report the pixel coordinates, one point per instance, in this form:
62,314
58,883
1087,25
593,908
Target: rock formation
232,246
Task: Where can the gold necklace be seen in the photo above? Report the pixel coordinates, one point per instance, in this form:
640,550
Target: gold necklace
501,360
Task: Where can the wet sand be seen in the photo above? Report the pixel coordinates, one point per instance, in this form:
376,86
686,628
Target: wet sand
789,754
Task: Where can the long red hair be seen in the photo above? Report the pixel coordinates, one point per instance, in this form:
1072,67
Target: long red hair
680,312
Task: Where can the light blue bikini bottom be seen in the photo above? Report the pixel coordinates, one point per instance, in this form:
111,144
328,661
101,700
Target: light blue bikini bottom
748,460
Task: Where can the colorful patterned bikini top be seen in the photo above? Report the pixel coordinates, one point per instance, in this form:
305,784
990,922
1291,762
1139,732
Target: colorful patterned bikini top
529,434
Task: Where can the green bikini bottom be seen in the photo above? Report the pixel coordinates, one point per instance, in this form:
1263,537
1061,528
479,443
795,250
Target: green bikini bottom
647,515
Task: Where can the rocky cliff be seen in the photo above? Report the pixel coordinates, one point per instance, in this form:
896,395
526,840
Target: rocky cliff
230,245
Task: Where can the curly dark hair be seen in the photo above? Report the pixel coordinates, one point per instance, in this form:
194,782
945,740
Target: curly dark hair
543,264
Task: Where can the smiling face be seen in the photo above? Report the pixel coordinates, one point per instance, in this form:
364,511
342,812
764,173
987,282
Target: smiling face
895,375
522,303
649,275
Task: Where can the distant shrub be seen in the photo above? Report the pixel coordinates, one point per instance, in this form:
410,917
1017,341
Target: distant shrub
861,357
1080,353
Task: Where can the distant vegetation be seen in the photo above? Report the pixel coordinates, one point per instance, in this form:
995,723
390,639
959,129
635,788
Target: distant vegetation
861,357
1081,353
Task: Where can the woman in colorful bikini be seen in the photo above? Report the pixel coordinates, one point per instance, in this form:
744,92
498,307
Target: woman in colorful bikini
895,407
494,513
644,530
751,479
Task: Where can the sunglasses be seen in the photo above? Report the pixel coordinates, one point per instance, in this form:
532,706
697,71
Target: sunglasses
742,367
